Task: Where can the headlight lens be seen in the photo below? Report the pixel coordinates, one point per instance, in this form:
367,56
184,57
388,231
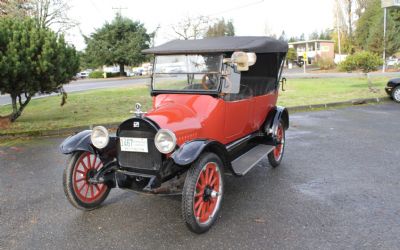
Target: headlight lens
165,141
100,137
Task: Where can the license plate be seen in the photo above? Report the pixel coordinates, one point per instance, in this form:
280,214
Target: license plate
129,144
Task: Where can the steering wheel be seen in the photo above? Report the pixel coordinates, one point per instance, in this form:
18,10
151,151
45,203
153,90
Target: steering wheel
203,82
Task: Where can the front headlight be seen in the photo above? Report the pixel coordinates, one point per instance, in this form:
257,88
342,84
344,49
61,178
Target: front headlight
165,141
100,137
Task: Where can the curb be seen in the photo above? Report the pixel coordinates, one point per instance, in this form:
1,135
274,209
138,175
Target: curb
338,104
114,126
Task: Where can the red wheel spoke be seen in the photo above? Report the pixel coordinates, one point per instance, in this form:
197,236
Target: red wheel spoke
84,165
201,179
199,209
80,171
197,204
88,159
87,191
213,181
91,190
79,180
200,187
206,177
82,187
97,187
98,165
206,208
211,175
199,194
94,162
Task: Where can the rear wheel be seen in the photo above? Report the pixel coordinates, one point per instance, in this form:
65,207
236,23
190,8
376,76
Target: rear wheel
80,192
396,94
275,156
202,193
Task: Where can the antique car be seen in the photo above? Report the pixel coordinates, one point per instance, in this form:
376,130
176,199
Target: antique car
214,112
393,89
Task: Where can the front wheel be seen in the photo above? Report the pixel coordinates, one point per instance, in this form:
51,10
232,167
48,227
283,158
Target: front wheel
275,156
396,94
80,192
203,192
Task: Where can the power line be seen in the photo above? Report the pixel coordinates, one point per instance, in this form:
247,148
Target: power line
236,8
119,9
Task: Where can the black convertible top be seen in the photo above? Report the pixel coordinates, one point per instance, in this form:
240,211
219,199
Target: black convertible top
257,44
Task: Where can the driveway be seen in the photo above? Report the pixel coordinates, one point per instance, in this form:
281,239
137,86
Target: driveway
337,188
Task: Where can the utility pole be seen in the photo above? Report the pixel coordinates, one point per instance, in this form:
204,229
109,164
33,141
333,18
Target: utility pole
338,31
119,9
384,39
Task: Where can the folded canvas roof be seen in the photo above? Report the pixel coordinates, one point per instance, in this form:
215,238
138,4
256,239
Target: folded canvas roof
257,44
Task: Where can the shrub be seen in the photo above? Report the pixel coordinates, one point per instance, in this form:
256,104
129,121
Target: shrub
96,74
291,55
364,61
114,74
326,63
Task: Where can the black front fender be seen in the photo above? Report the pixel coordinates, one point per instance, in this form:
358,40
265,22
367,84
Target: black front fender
78,142
190,151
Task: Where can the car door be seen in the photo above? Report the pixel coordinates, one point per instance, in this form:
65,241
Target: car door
238,112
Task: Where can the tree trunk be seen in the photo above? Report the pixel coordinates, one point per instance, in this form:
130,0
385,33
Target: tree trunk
370,87
17,111
121,69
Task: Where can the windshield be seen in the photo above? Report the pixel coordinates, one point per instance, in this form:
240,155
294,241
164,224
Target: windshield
187,72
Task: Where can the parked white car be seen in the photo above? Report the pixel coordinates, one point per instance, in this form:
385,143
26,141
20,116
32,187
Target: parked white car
393,62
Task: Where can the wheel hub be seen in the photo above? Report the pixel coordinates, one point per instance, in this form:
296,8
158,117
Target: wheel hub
90,174
207,193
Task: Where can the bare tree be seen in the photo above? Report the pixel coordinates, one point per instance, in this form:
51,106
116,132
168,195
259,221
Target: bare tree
15,8
52,14
191,27
47,13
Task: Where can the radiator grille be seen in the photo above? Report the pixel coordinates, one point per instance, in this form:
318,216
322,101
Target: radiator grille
137,160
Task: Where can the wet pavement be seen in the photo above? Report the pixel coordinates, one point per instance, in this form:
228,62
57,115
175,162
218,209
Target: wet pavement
337,188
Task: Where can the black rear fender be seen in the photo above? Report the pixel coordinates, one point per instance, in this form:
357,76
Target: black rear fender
273,118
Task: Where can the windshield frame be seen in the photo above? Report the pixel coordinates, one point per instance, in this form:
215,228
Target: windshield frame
214,92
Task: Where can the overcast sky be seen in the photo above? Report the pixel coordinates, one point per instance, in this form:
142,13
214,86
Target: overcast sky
250,17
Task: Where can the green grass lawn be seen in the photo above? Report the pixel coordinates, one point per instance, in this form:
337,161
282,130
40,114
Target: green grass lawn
319,91
113,105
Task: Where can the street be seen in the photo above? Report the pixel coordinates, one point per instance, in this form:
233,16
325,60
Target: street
295,73
337,188
83,85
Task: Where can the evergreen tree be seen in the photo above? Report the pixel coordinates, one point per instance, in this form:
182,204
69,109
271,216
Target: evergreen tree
369,32
32,60
221,28
119,42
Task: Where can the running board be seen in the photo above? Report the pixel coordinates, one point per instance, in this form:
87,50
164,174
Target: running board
247,161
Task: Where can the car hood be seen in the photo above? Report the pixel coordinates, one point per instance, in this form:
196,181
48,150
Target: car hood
185,115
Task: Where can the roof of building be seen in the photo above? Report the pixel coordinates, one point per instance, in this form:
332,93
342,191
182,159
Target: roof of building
312,41
257,44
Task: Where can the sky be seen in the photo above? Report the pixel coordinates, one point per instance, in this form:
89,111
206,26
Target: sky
250,17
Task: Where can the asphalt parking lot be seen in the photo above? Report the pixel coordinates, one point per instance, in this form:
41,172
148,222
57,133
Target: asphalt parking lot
337,188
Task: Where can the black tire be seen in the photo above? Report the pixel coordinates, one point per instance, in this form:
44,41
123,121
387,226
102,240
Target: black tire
75,188
396,94
208,198
274,158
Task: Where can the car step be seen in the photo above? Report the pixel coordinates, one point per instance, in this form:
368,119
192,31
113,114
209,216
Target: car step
247,161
